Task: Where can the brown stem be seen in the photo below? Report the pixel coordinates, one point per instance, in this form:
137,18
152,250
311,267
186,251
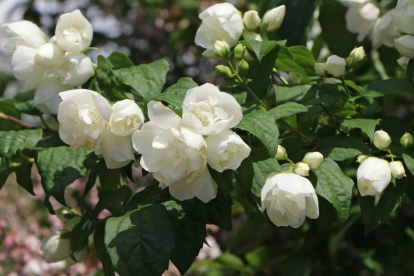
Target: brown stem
15,120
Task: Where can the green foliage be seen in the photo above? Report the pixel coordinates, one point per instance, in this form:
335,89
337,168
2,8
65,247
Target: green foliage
296,59
287,110
341,147
366,125
7,106
175,94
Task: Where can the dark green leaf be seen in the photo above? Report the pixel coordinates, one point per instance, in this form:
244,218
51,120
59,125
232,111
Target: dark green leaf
110,179
224,180
219,211
367,125
244,178
141,241
386,87
28,107
325,94
341,147
24,177
80,234
175,94
288,93
240,97
112,200
296,59
260,48
7,106
287,110
120,60
102,253
261,171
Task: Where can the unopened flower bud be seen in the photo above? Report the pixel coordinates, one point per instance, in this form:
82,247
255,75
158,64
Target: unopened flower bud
65,214
405,45
48,55
407,140
273,19
362,158
281,153
239,51
248,57
251,20
397,169
248,35
243,67
335,66
382,140
320,69
56,247
313,159
82,254
356,55
222,50
223,71
302,169
403,62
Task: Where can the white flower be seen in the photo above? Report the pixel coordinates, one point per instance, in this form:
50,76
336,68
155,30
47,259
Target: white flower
174,154
381,139
361,17
320,69
226,150
23,33
82,115
405,45
251,20
73,32
273,19
384,31
403,62
75,69
288,199
302,169
47,96
57,246
48,55
220,22
336,66
373,176
116,150
248,35
82,254
403,16
313,159
127,117
208,111
397,169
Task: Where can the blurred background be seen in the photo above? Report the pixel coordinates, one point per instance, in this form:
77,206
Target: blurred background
147,30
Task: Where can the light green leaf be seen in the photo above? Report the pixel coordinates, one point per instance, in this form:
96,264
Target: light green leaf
287,110
367,125
262,125
335,186
140,241
147,79
240,97
296,59
260,48
341,147
288,93
60,166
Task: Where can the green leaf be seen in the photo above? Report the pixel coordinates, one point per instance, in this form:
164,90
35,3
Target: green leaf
387,87
375,209
335,186
244,178
296,59
287,110
60,166
140,241
175,94
28,107
120,60
261,171
151,194
24,178
102,253
189,233
409,162
367,125
50,142
288,93
147,79
11,141
260,48
325,94
110,179
104,81
7,106
224,180
113,201
341,147
219,211
80,234
240,97
262,125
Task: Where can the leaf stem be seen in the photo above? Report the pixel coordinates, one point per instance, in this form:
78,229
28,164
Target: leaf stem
281,78
390,155
15,120
44,122
345,86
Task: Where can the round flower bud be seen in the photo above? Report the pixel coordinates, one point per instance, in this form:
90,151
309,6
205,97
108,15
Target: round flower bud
224,71
373,176
288,199
381,139
239,51
56,247
407,140
222,50
405,45
313,159
281,153
320,69
248,57
81,255
335,66
302,169
273,19
48,55
403,62
397,169
65,214
243,67
251,20
249,35
362,158
356,55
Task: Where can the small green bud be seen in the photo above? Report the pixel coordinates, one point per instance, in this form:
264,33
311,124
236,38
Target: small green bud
407,140
281,153
224,71
248,57
239,51
355,56
243,67
222,50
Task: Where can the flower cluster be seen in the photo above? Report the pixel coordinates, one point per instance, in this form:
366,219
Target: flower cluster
402,17
177,150
33,56
87,119
223,22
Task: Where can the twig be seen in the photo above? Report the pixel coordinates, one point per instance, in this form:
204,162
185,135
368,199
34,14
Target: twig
17,121
281,78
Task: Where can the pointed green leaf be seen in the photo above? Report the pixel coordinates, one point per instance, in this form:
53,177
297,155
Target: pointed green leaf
287,110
